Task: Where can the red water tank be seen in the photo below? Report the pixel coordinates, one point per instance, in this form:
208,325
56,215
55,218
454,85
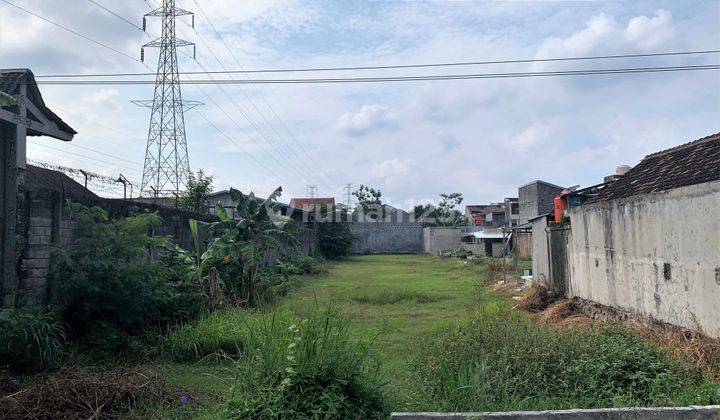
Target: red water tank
560,206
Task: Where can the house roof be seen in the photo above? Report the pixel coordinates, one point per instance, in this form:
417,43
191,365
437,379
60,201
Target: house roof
688,164
311,201
258,199
37,178
10,82
485,208
487,234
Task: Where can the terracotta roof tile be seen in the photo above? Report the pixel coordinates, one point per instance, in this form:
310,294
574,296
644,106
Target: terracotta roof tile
692,163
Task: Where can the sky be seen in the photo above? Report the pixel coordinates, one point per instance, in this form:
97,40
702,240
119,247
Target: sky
412,140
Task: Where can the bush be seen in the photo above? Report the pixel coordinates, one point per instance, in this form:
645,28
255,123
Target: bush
30,342
116,281
461,253
306,369
335,240
506,362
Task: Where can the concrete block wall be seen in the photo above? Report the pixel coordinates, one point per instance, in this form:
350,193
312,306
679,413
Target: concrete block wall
657,255
387,238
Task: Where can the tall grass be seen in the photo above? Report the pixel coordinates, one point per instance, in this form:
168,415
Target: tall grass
306,368
288,367
503,361
30,342
217,337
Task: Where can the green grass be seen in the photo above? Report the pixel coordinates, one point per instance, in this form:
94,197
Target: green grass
394,300
444,342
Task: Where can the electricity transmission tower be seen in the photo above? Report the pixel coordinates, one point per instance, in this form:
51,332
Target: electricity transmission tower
167,166
348,195
311,190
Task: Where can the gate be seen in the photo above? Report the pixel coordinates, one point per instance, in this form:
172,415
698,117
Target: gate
558,238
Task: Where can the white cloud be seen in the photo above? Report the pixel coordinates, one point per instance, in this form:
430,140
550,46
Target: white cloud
393,172
370,118
649,33
603,33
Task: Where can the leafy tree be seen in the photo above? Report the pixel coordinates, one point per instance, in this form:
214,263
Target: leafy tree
199,188
239,245
369,202
116,280
334,237
444,214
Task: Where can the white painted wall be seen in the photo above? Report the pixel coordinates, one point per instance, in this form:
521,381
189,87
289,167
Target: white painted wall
618,250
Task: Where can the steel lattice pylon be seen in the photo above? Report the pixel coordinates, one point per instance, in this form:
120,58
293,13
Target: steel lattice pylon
167,165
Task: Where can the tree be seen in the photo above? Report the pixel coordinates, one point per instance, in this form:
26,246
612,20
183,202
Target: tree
199,188
369,201
444,214
334,237
240,244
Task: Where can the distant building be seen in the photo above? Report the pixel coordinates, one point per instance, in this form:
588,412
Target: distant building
486,215
312,202
536,198
512,212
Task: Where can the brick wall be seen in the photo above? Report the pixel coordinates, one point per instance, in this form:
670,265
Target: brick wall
44,221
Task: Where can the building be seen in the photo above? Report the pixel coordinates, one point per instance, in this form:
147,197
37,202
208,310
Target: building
512,212
303,219
486,215
536,198
649,242
23,113
313,203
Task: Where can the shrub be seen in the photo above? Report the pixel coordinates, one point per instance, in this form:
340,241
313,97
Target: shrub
306,369
506,362
335,240
461,253
116,281
30,342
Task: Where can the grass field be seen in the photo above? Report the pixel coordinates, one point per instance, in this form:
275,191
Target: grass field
446,341
394,299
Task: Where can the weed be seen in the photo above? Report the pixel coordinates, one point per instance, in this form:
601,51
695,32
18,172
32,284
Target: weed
503,361
30,341
309,368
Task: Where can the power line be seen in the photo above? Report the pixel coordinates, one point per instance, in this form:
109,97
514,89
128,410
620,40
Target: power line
101,153
128,21
56,150
508,75
408,66
69,30
272,110
290,163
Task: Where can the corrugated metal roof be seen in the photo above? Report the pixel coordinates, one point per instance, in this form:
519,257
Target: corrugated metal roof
688,164
37,178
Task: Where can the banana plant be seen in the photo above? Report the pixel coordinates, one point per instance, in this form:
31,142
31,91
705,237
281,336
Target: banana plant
240,244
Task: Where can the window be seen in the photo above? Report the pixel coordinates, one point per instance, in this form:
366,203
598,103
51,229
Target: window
514,208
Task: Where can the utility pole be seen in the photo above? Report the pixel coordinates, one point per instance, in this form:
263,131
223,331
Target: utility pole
348,194
311,190
167,166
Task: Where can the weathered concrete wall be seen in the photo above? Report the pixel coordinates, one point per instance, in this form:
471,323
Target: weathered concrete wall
437,240
657,255
387,238
540,256
635,413
522,244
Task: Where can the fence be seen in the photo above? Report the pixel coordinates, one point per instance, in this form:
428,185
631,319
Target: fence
387,238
